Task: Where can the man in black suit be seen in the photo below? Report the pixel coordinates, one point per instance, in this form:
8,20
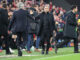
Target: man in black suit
47,26
4,27
18,26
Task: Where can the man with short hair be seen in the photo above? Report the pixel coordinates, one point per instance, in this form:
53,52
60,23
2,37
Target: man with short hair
70,30
47,26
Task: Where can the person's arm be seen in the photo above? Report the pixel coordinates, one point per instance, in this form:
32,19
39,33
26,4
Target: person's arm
40,23
38,17
53,23
71,21
11,21
29,16
53,27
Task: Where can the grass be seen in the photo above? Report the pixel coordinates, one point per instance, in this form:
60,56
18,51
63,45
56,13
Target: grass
63,54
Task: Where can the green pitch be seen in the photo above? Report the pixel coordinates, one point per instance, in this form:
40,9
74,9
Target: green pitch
63,54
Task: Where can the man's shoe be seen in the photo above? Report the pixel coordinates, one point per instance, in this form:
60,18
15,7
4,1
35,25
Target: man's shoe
46,52
11,50
19,53
76,52
42,52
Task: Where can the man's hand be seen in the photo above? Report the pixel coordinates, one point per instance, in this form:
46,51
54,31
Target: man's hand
31,12
14,37
9,32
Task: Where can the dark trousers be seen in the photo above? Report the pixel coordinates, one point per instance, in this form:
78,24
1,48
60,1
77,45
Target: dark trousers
59,36
0,42
45,38
6,41
21,39
67,40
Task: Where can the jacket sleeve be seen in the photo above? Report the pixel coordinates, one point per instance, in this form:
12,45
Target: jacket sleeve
52,23
11,22
29,16
6,21
71,21
38,17
40,22
4,14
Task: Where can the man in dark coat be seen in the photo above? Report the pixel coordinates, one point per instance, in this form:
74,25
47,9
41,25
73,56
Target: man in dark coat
47,25
4,27
70,29
18,26
31,29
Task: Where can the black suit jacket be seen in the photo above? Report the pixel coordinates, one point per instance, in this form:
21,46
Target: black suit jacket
47,24
3,21
19,21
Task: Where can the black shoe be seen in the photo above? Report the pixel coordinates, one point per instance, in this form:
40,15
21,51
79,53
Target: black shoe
46,52
42,52
76,52
19,51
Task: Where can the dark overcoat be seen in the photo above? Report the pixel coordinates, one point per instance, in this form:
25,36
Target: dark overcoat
70,26
19,21
3,21
47,24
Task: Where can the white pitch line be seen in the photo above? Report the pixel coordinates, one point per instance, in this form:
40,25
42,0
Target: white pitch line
16,56
55,56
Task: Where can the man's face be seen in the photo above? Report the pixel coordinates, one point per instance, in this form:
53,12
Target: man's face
46,8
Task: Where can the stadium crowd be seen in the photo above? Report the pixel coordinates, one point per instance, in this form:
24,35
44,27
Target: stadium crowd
25,24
